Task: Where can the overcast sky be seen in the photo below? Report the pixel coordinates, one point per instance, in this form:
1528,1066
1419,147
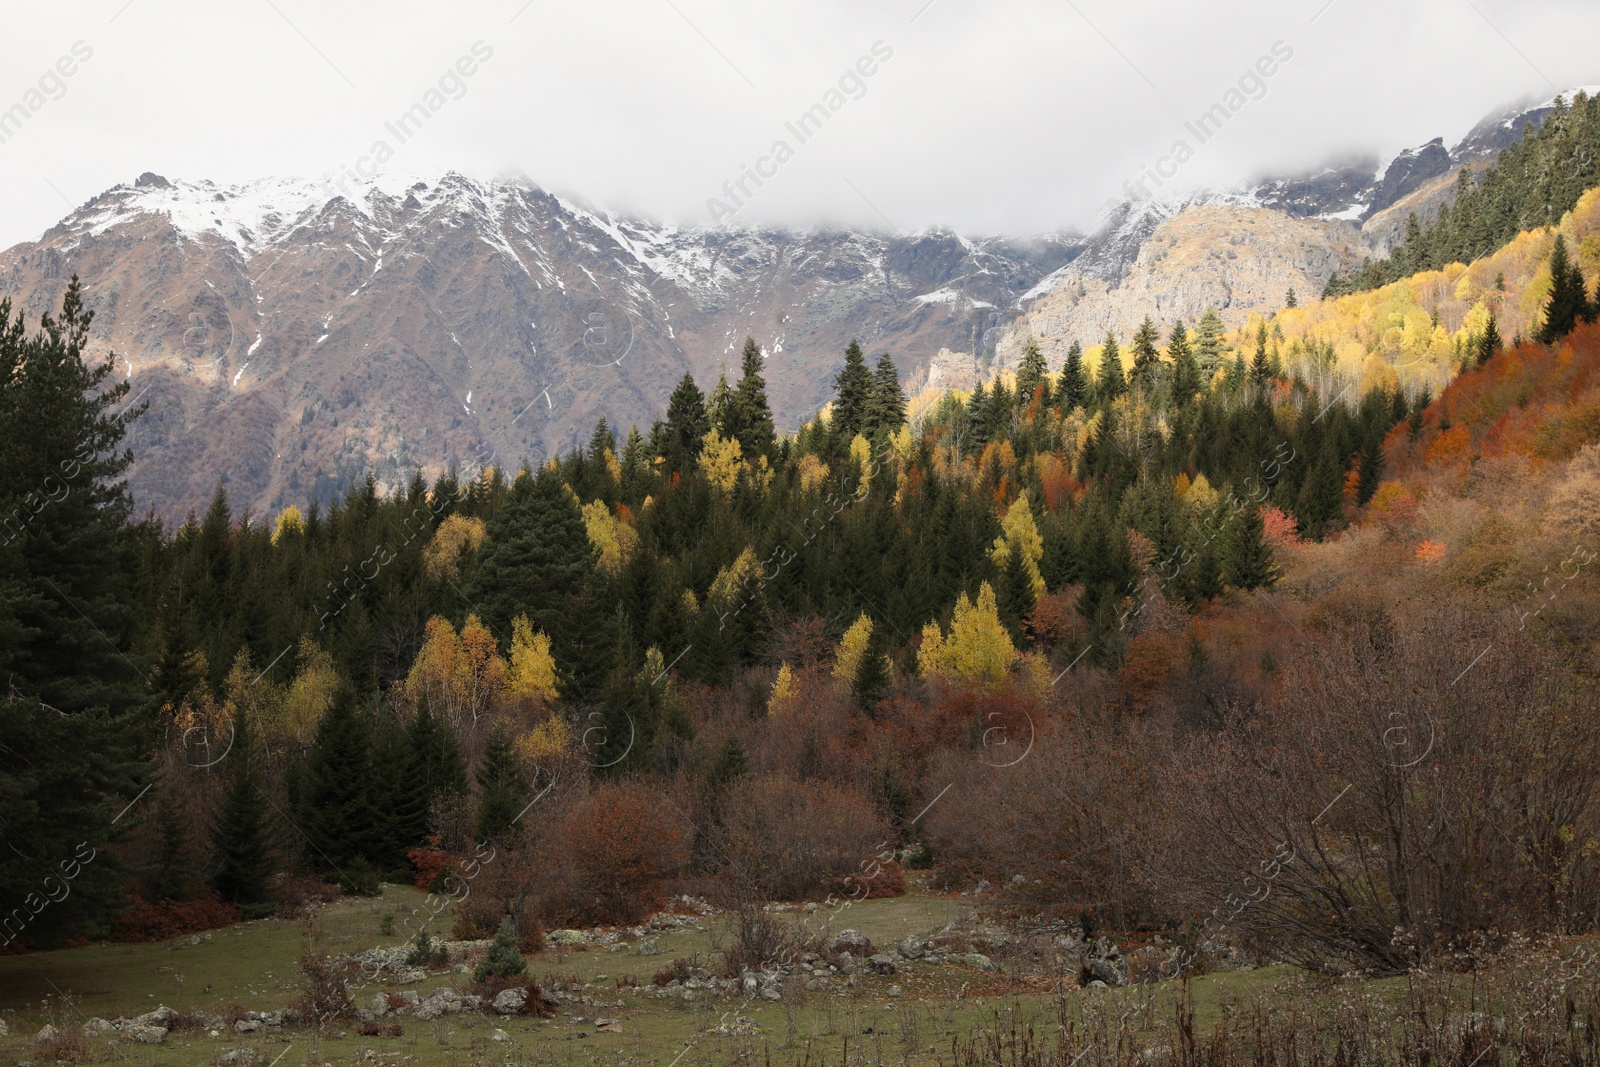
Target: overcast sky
1009,116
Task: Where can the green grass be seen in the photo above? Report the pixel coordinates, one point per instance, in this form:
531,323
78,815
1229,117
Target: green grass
254,964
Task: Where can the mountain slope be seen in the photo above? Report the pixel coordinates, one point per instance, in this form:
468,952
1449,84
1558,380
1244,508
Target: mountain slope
290,340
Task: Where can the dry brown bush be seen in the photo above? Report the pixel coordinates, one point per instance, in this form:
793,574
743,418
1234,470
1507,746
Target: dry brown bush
1414,780
784,839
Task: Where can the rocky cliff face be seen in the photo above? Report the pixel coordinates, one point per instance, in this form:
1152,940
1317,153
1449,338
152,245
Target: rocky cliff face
1236,259
287,340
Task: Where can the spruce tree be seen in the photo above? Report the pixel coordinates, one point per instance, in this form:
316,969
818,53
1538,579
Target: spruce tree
1031,374
1110,383
1014,595
752,416
719,408
342,824
1146,355
687,421
1260,368
74,721
886,408
502,787
1490,343
852,394
241,839
977,420
1569,296
1210,348
1073,388
1321,501
504,958
1185,371
435,756
1370,473
1248,561
538,560
1290,300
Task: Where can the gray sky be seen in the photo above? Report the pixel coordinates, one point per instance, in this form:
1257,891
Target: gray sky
1008,116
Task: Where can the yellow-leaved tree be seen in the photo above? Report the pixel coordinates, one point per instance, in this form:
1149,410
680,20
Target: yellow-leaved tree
977,649
614,538
289,521
783,694
532,672
852,650
1019,533
720,460
460,675
456,536
310,696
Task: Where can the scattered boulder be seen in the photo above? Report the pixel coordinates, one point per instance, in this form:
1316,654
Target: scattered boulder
851,941
511,1001
882,964
162,1016
1103,962
911,949
569,937
978,960
895,991
247,1026
379,1005
239,1057
147,1035
97,1026
650,947
46,1034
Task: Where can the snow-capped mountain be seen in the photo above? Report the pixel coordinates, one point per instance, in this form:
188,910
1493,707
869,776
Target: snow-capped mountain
288,335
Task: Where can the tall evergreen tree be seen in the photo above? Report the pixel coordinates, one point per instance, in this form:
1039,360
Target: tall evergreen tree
1569,296
1260,368
1490,343
1370,473
977,419
752,416
73,723
538,560
886,408
1210,348
852,394
1032,372
1248,561
720,410
1110,383
1185,371
241,838
435,756
502,787
1146,354
1321,501
342,824
687,421
1073,388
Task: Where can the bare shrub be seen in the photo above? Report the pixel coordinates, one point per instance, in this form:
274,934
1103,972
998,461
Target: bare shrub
1398,795
323,996
790,840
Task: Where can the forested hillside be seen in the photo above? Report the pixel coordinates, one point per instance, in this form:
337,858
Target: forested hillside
1107,635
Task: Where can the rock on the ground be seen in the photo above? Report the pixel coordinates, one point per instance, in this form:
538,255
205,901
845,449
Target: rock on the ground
569,937
650,947
46,1034
97,1025
882,963
852,941
895,991
980,961
147,1035
511,1001
911,949
239,1057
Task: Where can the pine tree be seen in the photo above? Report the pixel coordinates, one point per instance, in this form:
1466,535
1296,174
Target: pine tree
504,958
886,408
687,421
1110,382
852,392
1321,500
1290,300
1073,388
1370,473
435,756
719,408
537,560
1248,562
1031,374
241,839
752,416
1490,343
1210,349
341,822
977,420
1014,594
73,725
1260,368
1569,296
1146,355
1185,371
502,787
